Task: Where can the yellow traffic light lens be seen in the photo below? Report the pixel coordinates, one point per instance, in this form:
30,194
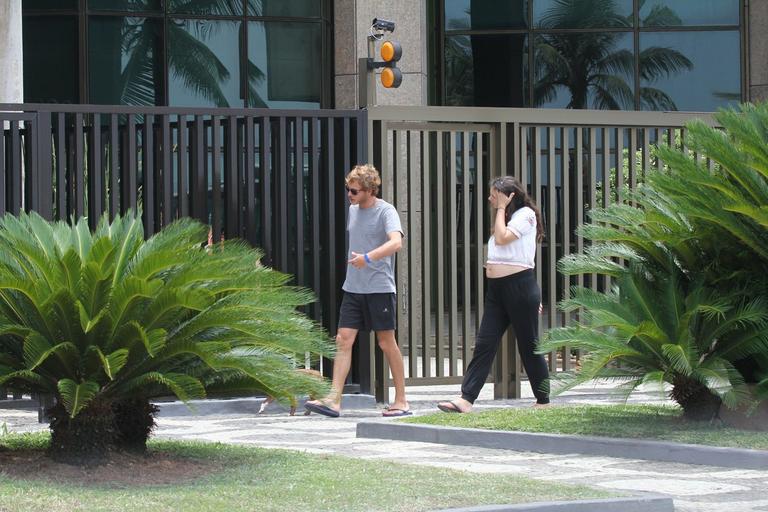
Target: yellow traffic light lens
391,77
391,51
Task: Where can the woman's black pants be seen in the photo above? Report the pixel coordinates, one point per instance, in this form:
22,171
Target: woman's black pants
509,300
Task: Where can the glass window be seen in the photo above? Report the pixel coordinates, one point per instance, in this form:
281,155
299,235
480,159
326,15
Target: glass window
125,5
123,61
284,65
584,70
298,8
203,68
486,70
210,7
551,14
665,13
42,5
695,71
485,14
50,59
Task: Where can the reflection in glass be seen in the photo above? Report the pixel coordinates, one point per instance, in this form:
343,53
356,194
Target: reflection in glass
712,79
284,65
308,8
485,14
125,5
582,13
123,61
471,60
597,68
663,13
203,63
50,59
212,7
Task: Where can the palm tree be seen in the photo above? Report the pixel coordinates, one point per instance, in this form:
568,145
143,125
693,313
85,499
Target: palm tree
106,321
588,65
690,304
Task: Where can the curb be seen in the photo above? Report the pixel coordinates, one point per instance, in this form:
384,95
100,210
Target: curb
564,444
249,406
638,504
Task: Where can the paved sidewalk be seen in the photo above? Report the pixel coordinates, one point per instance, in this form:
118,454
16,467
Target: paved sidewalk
694,488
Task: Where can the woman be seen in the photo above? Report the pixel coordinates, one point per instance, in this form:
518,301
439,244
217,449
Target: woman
513,295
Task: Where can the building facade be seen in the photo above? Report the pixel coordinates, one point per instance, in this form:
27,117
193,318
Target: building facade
599,54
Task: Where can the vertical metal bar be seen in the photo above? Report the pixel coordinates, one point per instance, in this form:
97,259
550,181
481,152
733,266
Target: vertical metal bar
129,181
232,202
95,174
266,161
148,166
579,194
61,168
282,203
659,142
79,190
330,166
646,153
217,211
426,253
453,331
300,198
167,170
536,179
4,156
199,181
14,181
466,211
606,160
593,182
620,165
250,182
415,253
114,169
440,253
480,181
314,173
45,163
184,155
632,162
565,136
552,237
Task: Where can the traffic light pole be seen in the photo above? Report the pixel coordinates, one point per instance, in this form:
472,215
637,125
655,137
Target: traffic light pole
366,77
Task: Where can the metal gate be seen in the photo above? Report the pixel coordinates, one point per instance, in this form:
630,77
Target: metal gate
436,163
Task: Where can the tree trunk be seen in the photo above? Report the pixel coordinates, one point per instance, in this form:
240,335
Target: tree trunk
134,423
85,439
697,401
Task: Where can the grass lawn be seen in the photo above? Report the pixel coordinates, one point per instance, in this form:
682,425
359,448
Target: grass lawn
656,422
245,478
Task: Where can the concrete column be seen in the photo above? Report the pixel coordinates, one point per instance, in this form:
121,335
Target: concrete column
11,62
757,18
352,21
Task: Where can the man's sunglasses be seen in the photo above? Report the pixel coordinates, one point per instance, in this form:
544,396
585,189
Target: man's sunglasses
353,191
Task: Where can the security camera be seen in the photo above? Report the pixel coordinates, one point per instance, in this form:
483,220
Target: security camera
383,25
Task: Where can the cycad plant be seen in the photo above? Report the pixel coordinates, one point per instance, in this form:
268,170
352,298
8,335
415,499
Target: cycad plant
104,321
690,303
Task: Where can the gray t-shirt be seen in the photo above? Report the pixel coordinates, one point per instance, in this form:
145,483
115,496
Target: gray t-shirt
368,228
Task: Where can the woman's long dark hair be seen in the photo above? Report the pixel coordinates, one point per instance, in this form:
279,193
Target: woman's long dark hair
506,185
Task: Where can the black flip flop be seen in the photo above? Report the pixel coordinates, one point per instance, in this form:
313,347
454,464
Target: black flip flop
321,409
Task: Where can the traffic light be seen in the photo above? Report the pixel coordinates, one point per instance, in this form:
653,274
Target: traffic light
391,76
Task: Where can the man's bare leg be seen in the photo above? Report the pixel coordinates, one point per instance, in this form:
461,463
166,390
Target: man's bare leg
388,345
345,339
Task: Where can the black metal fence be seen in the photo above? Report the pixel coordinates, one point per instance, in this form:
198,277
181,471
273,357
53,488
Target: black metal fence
271,177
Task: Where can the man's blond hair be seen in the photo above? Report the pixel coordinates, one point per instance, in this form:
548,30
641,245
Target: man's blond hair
367,176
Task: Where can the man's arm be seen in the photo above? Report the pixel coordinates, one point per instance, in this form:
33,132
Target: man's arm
388,248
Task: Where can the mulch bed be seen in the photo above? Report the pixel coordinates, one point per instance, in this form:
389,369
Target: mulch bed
120,469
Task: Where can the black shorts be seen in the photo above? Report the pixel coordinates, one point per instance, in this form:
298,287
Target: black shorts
368,311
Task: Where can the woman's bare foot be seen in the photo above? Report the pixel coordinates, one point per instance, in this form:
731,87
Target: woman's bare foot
537,405
456,405
326,407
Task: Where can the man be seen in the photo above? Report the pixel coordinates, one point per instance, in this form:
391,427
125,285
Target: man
369,302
